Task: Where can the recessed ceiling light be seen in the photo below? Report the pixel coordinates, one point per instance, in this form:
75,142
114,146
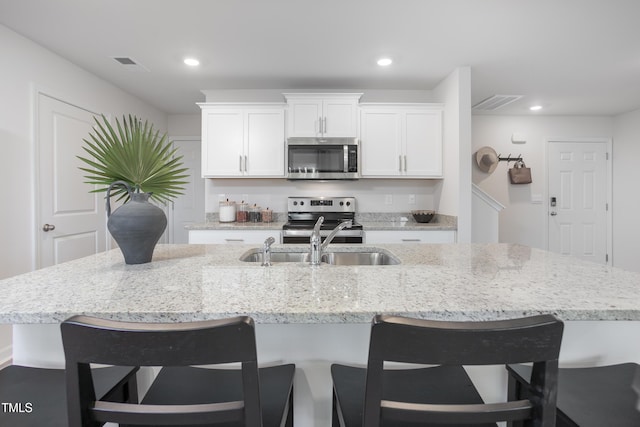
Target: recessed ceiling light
535,108
192,62
383,62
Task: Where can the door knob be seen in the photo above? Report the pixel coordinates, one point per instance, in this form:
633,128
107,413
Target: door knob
48,227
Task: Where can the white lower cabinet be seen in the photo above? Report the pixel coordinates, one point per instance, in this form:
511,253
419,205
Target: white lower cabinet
410,236
233,236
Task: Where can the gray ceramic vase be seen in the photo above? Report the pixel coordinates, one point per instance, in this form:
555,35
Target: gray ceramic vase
136,226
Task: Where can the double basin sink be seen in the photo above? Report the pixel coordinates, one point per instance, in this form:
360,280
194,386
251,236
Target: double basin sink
366,256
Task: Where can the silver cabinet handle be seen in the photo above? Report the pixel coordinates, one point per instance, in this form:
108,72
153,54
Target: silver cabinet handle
405,163
411,240
245,163
399,163
240,166
325,126
320,125
233,240
553,213
48,227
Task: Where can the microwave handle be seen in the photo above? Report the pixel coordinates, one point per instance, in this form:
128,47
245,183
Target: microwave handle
345,162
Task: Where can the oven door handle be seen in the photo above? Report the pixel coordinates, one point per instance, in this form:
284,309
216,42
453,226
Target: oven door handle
323,233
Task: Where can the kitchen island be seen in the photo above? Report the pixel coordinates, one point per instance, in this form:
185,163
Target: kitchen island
314,315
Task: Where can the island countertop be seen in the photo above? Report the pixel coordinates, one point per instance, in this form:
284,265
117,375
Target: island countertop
443,281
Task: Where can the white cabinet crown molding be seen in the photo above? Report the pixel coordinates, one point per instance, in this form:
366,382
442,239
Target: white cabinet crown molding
204,105
433,105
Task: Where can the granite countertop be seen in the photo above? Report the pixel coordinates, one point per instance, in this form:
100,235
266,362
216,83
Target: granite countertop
443,281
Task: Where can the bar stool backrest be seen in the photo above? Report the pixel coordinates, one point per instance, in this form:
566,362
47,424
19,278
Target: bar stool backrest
398,339
88,340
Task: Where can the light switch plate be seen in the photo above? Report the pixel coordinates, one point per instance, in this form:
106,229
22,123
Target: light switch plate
536,198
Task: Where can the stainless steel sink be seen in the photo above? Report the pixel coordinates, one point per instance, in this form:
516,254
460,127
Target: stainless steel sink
365,257
255,255
360,258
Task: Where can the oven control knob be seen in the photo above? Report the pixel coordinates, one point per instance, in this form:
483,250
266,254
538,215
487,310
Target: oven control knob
341,203
348,203
301,203
295,203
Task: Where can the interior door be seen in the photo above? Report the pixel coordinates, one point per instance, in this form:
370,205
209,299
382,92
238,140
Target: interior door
188,208
71,221
578,190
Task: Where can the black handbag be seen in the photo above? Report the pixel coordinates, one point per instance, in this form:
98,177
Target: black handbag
520,173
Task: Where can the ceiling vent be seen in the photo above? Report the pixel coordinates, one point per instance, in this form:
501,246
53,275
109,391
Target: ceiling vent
130,64
496,101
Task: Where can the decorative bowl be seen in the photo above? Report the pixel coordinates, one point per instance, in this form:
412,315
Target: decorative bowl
423,215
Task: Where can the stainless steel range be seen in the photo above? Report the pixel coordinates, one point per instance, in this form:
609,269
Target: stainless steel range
303,213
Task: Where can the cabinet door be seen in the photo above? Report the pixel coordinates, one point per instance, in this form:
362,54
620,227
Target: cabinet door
339,118
423,144
380,134
222,142
305,117
265,142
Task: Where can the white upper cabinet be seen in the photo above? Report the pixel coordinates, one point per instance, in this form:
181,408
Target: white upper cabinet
322,114
243,140
401,140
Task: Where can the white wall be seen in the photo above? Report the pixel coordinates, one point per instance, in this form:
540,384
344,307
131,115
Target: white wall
455,195
26,68
626,196
523,221
370,193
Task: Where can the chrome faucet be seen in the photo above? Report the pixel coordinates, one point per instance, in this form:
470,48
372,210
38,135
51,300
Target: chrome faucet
266,251
316,243
317,246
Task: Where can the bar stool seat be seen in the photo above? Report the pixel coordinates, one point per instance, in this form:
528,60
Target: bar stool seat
589,397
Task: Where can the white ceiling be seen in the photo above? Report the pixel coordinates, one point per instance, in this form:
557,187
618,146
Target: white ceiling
571,56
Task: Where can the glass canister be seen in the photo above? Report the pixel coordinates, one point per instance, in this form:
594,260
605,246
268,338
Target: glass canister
242,212
267,215
227,211
255,214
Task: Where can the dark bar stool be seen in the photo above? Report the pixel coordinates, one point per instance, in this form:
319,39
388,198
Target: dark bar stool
600,396
444,394
181,394
37,397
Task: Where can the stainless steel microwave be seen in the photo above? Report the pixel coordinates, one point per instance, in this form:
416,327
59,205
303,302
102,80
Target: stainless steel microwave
323,158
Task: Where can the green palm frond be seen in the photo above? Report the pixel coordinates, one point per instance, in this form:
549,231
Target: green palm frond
136,153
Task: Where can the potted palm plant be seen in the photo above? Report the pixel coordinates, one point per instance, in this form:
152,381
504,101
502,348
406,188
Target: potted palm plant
133,163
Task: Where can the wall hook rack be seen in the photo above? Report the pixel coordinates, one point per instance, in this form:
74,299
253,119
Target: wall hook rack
509,158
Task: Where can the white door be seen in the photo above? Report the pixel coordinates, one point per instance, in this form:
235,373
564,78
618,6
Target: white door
188,208
578,199
71,221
